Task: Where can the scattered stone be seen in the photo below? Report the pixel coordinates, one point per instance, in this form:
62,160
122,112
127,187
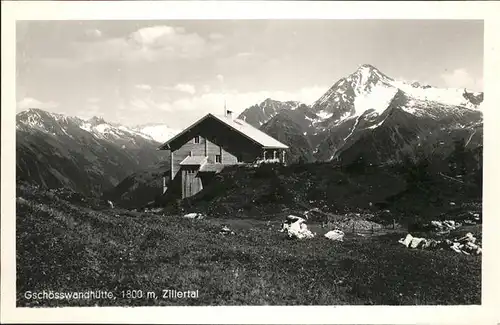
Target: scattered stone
194,215
154,210
308,212
348,224
468,238
464,245
299,230
295,227
226,231
445,226
412,242
335,234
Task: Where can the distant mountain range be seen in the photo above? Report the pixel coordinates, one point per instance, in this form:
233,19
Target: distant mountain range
257,115
371,116
156,131
365,116
88,156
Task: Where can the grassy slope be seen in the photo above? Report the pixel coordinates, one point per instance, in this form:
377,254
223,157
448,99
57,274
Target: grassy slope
65,247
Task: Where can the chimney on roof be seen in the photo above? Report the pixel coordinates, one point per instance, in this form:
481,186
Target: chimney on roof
227,113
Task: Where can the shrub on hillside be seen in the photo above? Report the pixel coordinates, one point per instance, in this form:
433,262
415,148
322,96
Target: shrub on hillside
265,171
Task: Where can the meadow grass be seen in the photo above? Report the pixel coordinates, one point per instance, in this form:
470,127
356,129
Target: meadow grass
65,247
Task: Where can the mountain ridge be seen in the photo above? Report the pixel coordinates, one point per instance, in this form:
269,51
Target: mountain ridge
359,102
259,114
54,150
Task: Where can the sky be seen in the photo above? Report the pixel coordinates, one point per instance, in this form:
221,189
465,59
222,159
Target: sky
172,72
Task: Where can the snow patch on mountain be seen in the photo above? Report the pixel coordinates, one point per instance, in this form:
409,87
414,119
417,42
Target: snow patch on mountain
447,96
159,133
86,126
324,115
54,124
378,124
378,99
353,128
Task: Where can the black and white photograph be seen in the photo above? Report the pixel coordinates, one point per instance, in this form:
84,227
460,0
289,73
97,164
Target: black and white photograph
249,162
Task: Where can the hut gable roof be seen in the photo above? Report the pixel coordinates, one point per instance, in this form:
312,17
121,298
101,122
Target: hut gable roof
240,126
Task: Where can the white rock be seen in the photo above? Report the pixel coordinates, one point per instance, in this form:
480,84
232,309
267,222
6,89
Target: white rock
291,219
407,240
299,230
335,235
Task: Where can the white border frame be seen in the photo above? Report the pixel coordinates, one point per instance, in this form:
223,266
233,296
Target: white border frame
125,10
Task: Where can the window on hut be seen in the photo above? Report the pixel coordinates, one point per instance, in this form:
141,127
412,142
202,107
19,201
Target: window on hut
218,158
197,139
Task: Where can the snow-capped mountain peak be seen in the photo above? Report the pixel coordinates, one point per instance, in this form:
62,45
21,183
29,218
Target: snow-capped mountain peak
368,89
366,76
365,89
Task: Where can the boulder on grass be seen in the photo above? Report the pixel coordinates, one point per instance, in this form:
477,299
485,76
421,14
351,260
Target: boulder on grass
226,231
295,227
335,235
194,215
413,242
299,230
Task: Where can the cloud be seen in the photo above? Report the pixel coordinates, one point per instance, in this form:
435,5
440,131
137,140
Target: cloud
148,36
139,104
93,33
220,77
93,100
143,87
182,88
169,38
182,111
460,78
244,54
215,36
148,44
186,88
196,106
29,102
146,104
89,111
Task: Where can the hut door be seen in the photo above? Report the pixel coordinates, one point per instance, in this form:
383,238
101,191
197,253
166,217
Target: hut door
191,183
189,186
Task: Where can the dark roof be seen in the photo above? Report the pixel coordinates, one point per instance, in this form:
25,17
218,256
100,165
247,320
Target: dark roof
239,126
